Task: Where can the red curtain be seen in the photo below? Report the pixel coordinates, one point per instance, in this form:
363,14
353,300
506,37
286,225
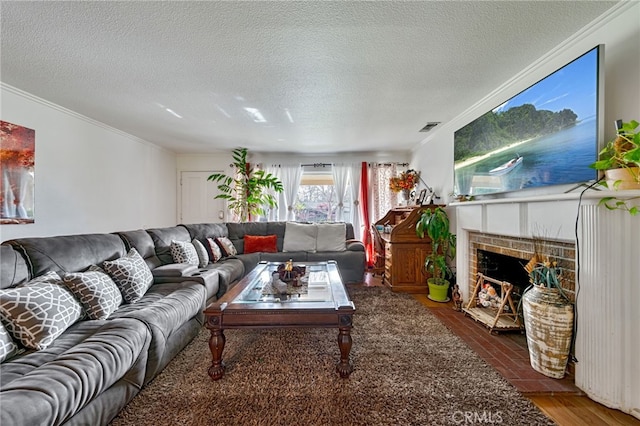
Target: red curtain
364,208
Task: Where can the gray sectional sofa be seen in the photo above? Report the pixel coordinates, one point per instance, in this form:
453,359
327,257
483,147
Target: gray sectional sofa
96,366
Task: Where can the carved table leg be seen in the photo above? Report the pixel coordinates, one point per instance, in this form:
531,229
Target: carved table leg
344,367
216,345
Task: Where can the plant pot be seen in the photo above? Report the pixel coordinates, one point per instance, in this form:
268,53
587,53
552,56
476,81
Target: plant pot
548,321
629,178
438,289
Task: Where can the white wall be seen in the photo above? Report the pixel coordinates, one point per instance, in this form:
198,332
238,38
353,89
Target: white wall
89,178
618,30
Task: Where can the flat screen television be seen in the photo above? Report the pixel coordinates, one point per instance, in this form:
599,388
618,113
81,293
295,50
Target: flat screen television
546,135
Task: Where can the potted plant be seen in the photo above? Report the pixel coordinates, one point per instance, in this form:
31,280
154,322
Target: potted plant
246,191
620,162
405,182
435,224
548,317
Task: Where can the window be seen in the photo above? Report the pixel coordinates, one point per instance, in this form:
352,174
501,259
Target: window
317,200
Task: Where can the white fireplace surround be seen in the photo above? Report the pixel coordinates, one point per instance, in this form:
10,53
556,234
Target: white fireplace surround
608,302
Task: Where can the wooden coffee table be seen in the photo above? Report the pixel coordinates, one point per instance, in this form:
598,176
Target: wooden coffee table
321,301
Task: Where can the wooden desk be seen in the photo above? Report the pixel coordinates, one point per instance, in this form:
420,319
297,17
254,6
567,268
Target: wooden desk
404,252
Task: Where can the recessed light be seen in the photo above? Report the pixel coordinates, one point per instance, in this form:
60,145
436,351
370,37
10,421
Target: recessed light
255,115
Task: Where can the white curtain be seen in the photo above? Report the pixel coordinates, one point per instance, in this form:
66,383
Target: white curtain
290,177
272,214
355,173
340,179
383,198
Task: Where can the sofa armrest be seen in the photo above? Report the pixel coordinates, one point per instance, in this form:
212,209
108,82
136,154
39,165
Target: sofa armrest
174,270
355,245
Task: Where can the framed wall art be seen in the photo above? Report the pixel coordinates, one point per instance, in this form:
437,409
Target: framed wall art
17,167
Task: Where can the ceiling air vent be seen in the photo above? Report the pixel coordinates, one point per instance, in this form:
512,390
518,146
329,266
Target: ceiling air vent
430,126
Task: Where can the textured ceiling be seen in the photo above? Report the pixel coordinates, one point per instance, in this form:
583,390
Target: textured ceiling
327,77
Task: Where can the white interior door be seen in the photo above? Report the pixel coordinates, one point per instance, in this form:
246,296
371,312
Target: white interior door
197,202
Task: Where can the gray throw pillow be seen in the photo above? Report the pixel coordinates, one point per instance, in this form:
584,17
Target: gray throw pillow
8,347
96,291
203,256
131,274
39,311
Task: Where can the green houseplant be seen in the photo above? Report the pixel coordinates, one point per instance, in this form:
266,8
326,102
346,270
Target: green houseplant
246,191
435,224
620,162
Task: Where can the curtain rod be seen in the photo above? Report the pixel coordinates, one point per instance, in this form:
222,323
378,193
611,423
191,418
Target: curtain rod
389,164
316,165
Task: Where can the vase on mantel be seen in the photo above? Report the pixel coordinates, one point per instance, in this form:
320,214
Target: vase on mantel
406,195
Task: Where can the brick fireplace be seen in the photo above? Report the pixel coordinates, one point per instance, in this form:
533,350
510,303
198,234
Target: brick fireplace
607,344
520,249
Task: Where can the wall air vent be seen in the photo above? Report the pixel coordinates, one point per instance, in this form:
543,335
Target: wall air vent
430,126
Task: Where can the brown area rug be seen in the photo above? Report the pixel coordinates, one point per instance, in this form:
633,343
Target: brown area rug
409,370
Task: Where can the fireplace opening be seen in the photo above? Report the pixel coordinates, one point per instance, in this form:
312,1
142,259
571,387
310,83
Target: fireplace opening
504,268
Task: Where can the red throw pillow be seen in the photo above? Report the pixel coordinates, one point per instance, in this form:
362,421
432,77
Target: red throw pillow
260,243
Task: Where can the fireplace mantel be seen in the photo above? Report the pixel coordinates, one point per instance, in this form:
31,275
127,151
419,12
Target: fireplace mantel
608,338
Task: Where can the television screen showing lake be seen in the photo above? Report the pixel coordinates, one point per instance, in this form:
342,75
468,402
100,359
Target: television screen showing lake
545,135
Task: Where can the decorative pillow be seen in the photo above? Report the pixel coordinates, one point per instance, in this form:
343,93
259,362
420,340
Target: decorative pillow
203,256
227,246
96,291
300,237
216,251
260,243
331,237
36,313
8,347
184,252
131,274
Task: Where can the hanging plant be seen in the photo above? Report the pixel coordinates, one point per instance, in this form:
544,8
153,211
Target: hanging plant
246,191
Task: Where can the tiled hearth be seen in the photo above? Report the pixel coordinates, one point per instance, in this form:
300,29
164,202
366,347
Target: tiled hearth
506,352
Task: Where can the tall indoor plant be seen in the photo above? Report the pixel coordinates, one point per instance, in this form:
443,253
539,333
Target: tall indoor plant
548,316
620,162
246,191
434,222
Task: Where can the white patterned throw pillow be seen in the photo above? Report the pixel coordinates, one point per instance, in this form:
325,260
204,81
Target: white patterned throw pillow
8,347
184,252
131,274
216,251
203,256
39,311
96,291
227,247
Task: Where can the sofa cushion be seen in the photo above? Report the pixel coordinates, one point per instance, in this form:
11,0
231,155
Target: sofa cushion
227,247
165,309
8,347
203,256
162,238
202,231
300,237
69,253
184,252
96,291
260,243
39,311
215,252
13,268
143,243
50,386
331,237
131,274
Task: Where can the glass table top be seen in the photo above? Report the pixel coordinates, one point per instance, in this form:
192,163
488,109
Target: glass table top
268,286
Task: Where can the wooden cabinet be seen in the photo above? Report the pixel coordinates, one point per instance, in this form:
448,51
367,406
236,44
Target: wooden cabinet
403,251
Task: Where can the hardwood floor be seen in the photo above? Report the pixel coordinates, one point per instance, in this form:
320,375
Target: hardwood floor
566,408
